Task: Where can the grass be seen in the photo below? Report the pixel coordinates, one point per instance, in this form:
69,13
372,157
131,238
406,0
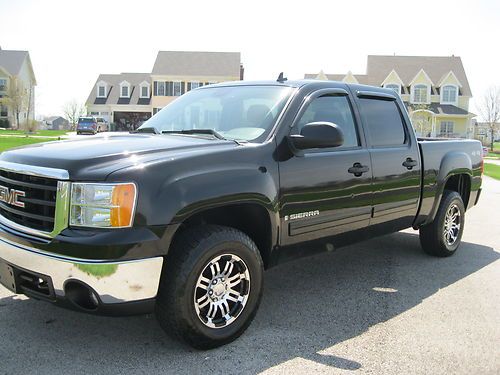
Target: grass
493,155
43,133
9,142
492,170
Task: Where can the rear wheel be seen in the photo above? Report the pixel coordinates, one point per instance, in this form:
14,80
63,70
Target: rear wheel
211,286
442,237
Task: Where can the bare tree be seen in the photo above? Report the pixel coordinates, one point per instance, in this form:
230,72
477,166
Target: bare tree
489,109
73,110
17,98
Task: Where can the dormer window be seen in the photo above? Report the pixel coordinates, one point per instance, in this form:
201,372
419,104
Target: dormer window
393,86
420,94
124,89
449,94
102,89
144,87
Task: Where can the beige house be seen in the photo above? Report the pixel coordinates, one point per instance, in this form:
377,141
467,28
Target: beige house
435,90
128,99
17,88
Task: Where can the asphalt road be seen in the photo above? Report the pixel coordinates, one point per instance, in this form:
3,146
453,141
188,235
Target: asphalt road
381,306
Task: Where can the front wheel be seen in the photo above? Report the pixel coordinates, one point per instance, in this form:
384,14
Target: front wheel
442,237
211,286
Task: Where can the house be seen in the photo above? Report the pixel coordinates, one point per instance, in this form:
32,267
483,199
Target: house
57,123
128,99
17,88
176,72
434,89
123,99
482,132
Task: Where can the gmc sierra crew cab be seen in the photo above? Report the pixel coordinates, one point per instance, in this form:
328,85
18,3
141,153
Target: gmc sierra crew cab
182,216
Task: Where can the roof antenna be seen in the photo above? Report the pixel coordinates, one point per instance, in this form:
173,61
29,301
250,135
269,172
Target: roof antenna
281,79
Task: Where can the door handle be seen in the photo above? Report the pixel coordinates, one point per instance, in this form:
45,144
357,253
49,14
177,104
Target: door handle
357,169
410,163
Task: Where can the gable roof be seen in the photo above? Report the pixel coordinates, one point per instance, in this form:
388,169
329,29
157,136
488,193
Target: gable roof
407,67
113,89
12,61
378,67
182,63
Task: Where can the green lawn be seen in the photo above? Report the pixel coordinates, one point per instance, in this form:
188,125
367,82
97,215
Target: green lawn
44,133
492,170
9,142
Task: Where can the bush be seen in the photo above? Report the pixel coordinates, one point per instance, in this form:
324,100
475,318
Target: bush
4,123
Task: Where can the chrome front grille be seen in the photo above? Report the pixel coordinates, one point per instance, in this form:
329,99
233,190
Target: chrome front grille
41,205
39,200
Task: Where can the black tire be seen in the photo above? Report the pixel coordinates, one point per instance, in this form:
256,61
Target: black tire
432,236
78,133
193,251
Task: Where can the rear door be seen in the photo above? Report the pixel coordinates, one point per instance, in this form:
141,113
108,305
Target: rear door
395,160
326,192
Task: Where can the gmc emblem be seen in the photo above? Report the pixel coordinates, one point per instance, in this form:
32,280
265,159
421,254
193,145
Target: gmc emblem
11,196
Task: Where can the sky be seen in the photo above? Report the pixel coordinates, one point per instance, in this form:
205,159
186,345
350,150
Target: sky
71,42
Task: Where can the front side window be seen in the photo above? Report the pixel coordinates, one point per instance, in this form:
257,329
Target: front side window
101,91
449,94
383,122
335,109
446,128
420,94
245,113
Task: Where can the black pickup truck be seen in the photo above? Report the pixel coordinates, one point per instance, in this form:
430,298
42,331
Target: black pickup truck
183,216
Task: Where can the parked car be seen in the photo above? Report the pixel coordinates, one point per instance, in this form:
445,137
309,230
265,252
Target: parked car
91,125
183,216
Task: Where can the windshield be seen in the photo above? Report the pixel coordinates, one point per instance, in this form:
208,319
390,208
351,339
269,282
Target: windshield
238,113
85,120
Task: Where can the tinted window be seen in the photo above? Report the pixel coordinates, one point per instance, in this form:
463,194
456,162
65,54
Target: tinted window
383,122
334,109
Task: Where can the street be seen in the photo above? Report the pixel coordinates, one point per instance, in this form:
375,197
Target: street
381,306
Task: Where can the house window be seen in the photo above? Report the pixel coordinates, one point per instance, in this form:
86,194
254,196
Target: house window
449,94
124,91
94,113
194,85
144,91
420,94
160,88
393,86
3,111
101,91
177,89
3,84
156,110
446,129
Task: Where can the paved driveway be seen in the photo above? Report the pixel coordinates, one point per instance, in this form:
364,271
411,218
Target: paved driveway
381,306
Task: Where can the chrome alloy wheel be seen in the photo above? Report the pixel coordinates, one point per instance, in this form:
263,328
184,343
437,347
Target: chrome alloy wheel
452,223
222,291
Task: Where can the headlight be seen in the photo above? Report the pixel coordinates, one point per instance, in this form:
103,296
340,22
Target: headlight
102,205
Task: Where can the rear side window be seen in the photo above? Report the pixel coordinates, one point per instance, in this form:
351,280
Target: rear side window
383,122
334,109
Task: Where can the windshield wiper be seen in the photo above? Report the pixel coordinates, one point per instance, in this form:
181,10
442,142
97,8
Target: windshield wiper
196,131
146,130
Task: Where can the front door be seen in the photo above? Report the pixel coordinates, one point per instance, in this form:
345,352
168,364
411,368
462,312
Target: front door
325,192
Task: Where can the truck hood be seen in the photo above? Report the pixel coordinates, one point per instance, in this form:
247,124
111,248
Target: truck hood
96,157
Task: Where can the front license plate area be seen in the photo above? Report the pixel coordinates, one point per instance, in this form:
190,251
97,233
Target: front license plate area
7,278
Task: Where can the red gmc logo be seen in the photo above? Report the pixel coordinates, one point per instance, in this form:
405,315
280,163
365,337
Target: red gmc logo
11,196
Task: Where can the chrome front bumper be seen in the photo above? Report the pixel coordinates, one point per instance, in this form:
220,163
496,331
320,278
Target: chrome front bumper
113,282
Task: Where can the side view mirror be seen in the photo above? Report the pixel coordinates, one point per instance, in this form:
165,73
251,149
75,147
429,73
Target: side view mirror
318,135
